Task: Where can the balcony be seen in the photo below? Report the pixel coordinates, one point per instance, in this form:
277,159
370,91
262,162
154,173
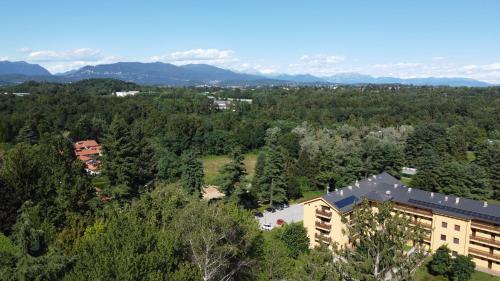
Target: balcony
323,225
427,238
489,227
413,210
323,238
484,254
422,224
488,241
323,213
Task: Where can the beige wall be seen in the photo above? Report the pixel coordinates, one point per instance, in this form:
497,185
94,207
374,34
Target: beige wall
462,235
335,222
437,229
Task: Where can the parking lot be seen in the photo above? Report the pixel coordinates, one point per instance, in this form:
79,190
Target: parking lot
294,213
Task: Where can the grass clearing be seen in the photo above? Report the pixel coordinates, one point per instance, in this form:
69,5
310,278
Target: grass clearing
212,164
406,181
307,195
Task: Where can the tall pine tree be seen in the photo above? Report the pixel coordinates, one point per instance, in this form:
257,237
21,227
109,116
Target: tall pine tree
232,173
192,173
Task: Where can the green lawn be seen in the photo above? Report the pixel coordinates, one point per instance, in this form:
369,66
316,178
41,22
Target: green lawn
101,182
212,164
406,180
306,195
422,275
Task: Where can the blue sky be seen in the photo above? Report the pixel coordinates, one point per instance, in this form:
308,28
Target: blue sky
398,38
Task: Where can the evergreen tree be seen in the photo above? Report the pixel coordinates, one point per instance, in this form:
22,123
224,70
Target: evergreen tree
295,238
272,183
119,153
28,133
191,173
461,268
441,261
232,173
259,171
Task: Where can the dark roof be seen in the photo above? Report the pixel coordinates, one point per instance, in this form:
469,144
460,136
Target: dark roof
384,187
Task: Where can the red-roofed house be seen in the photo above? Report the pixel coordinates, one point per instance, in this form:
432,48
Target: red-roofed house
88,151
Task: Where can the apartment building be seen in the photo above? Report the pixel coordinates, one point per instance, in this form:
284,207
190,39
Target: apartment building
467,227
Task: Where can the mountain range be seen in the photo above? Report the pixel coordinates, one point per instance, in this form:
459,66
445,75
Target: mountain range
158,73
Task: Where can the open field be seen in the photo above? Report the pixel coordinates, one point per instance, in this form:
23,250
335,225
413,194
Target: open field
212,164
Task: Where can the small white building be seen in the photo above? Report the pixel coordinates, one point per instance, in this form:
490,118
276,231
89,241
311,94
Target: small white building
407,171
240,100
127,93
222,104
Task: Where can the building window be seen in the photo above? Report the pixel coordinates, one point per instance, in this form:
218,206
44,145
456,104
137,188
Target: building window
443,237
456,241
457,227
454,253
444,224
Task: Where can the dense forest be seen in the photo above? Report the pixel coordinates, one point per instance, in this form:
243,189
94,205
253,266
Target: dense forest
155,226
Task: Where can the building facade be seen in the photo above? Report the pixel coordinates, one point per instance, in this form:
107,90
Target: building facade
467,227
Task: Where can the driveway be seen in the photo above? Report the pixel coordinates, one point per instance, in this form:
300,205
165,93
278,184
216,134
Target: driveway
294,213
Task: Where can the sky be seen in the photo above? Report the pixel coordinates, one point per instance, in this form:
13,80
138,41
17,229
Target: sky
403,38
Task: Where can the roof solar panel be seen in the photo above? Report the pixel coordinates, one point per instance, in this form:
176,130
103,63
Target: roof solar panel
346,201
454,210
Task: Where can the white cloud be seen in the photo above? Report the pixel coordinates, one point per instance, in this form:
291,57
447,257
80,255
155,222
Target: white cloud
4,58
321,65
24,50
64,60
320,60
85,54
397,65
208,56
62,66
437,68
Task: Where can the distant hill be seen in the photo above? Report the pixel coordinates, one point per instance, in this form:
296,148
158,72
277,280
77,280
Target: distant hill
158,73
299,78
357,78
22,68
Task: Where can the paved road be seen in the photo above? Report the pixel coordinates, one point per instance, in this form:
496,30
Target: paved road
294,213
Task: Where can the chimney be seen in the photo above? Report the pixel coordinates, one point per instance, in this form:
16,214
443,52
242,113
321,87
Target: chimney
341,192
446,198
395,185
387,192
432,194
374,176
457,200
357,184
409,189
369,179
350,187
485,204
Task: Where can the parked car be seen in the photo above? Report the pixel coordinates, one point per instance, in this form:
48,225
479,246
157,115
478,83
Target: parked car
271,209
259,214
280,222
285,205
267,226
